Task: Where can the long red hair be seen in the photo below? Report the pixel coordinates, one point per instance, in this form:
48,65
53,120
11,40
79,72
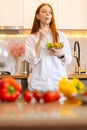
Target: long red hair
36,23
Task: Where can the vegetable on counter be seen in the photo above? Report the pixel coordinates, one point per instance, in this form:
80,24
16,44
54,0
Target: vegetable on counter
10,89
47,97
51,96
27,95
37,95
85,93
71,88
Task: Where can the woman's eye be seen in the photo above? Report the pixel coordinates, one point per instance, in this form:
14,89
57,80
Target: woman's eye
47,12
44,11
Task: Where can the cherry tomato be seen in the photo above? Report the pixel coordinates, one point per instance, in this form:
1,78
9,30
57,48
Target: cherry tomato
27,95
57,95
85,93
50,96
37,95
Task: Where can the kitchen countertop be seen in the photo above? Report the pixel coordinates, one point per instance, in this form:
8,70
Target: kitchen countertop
15,76
23,78
80,76
19,115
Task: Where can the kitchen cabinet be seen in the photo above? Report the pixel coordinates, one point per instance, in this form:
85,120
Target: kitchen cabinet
30,7
11,13
68,14
72,14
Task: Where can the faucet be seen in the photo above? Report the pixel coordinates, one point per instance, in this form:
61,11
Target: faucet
76,44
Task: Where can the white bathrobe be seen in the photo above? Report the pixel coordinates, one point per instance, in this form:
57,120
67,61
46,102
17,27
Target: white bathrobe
48,70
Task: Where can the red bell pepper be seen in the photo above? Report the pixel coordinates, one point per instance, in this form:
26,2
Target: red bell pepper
10,89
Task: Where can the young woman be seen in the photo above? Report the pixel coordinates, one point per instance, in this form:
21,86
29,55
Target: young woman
48,65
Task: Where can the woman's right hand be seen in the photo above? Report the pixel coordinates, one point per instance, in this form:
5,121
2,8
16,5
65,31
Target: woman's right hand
43,32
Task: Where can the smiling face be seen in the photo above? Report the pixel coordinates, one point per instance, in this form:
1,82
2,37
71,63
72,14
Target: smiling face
45,15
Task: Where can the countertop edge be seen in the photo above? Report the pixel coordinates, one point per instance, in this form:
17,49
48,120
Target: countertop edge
70,76
44,123
80,76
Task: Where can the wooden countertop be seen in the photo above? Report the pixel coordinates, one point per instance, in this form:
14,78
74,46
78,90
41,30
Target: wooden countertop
80,76
21,115
72,113
15,76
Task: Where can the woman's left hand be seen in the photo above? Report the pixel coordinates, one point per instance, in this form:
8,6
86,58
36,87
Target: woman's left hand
55,52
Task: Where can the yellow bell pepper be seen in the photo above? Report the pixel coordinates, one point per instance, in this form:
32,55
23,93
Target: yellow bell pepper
71,87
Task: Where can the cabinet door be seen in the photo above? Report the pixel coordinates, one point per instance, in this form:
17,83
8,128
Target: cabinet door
11,13
72,14
30,7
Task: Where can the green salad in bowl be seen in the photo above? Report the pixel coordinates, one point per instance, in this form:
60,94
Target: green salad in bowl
56,45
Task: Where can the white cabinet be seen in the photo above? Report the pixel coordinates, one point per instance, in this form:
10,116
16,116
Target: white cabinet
30,7
72,14
69,14
11,12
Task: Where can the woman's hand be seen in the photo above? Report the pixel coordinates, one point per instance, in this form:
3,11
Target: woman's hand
55,52
43,32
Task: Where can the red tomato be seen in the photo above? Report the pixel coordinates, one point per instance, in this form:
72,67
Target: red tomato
57,95
50,96
37,95
10,89
85,93
27,95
